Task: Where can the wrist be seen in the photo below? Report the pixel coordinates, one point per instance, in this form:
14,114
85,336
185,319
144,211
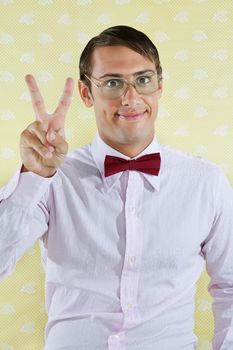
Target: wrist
42,173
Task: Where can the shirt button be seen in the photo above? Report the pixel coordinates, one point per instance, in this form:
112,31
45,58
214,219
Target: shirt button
115,337
133,259
129,306
132,210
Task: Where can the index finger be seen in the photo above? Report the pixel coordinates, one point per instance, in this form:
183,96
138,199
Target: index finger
66,98
37,99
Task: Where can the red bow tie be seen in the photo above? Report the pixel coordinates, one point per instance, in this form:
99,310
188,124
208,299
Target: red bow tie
149,164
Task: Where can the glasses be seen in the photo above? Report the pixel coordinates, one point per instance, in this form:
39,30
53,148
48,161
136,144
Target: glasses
114,87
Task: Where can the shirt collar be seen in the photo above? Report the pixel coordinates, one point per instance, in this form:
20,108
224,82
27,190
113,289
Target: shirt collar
99,149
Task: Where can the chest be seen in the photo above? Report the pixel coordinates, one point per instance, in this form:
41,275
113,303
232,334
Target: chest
94,230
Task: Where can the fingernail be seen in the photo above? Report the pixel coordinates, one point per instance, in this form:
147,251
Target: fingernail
52,136
48,155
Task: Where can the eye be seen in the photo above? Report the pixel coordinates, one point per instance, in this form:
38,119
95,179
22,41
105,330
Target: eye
143,80
113,83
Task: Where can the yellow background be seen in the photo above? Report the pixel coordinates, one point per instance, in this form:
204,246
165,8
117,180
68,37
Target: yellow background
45,38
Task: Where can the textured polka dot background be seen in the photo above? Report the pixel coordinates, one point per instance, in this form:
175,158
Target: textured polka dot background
45,38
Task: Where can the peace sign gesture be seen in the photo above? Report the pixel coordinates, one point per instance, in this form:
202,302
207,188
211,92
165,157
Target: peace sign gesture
42,144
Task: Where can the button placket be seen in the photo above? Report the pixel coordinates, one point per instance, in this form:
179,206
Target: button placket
116,341
129,281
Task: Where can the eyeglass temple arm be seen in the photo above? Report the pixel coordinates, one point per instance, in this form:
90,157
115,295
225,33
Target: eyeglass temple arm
91,81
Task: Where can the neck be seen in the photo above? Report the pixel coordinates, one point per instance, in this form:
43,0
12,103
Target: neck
130,150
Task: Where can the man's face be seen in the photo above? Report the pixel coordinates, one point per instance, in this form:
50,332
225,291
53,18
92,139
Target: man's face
127,121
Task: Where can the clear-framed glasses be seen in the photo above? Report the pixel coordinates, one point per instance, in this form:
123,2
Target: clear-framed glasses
113,87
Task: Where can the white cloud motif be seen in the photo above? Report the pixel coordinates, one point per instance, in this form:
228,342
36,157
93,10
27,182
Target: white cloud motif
143,18
28,328
200,74
69,133
122,2
27,18
45,76
66,57
104,18
25,96
161,36
7,309
45,38
200,151
6,2
6,115
200,36
163,113
7,347
160,2
6,76
32,251
27,57
181,55
182,131
7,153
204,344
220,16
65,19
199,1
204,305
220,55
45,2
165,74
200,112
83,38
225,168
221,92
83,2
84,114
222,130
6,38
181,17
182,93
28,288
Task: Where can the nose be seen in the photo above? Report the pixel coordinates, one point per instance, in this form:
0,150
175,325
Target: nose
130,97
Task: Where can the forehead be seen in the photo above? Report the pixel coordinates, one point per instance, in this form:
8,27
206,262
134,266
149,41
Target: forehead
119,60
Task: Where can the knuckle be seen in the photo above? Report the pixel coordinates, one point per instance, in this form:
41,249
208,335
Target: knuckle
37,125
64,103
38,103
24,134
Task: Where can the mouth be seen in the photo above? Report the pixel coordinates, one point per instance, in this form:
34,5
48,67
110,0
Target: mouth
134,116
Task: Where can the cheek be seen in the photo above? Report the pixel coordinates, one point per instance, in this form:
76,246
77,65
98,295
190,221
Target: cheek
153,103
106,109
105,112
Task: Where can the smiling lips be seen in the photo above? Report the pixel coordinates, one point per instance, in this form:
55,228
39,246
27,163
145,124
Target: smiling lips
133,116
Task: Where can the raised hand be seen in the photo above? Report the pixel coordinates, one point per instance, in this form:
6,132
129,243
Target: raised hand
42,144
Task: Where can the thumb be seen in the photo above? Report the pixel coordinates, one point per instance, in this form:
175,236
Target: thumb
52,134
57,140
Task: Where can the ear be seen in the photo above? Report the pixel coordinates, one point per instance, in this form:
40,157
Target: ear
85,94
160,90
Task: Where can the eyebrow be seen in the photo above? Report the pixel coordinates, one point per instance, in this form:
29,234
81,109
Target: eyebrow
117,75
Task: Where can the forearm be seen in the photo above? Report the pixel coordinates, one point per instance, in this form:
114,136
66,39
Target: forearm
23,219
223,316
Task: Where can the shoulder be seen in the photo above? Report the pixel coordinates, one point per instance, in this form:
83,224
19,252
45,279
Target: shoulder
184,164
79,162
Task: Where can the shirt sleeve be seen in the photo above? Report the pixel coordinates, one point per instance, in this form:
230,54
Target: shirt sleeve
218,251
24,217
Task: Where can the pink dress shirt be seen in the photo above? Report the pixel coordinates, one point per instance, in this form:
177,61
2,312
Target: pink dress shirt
122,254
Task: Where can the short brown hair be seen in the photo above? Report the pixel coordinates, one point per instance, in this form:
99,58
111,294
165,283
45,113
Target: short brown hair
119,36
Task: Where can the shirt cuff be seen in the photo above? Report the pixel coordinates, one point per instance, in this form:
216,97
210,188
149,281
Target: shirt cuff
26,189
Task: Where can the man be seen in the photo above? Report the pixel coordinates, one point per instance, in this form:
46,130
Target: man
125,224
